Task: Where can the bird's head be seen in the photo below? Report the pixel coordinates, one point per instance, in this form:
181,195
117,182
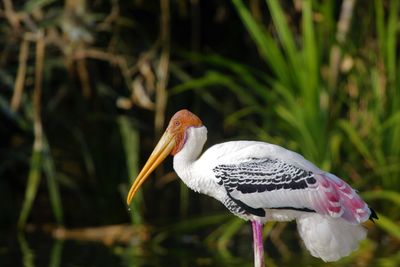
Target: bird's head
171,142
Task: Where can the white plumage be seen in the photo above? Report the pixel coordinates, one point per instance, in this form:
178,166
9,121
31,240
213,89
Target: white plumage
329,238
326,236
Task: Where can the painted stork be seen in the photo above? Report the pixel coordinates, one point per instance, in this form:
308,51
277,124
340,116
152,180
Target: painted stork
260,182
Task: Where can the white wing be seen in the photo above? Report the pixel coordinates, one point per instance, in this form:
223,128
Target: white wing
265,176
239,151
269,184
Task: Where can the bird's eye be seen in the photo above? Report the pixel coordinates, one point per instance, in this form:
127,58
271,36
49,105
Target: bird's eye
177,123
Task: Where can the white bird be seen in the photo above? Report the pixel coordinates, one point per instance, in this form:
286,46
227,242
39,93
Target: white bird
261,182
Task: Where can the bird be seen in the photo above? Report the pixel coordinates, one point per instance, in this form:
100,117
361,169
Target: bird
261,182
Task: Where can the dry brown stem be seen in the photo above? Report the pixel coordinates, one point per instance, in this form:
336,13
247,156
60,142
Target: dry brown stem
21,75
84,77
37,93
343,26
10,14
162,69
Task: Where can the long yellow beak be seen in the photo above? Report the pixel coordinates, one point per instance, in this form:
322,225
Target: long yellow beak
160,152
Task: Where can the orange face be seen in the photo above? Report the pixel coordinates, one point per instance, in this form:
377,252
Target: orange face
177,126
171,142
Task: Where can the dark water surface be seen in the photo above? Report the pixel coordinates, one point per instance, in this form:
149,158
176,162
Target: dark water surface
37,250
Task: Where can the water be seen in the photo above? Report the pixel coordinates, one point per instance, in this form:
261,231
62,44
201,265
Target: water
38,249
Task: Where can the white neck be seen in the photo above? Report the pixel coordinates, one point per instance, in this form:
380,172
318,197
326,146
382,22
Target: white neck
185,159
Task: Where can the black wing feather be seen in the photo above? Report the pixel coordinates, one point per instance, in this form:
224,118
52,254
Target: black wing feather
260,175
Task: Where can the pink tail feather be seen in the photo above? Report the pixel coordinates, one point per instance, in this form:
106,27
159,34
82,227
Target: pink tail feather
338,199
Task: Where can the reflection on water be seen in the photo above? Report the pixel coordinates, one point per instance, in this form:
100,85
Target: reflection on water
37,250
27,254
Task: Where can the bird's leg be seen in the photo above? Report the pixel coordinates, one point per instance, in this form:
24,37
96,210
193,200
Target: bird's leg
258,244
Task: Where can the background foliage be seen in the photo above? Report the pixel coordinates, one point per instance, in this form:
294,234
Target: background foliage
86,87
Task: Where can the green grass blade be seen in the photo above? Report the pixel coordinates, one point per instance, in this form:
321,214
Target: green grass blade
184,77
214,237
266,45
392,196
242,94
391,260
394,92
390,172
357,141
379,96
391,44
230,230
213,78
56,253
194,224
380,27
27,253
235,117
130,143
294,115
305,140
390,122
296,65
283,31
335,142
32,186
327,26
389,226
85,151
243,73
199,83
52,183
310,59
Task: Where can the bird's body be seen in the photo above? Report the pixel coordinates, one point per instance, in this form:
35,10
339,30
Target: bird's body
260,182
265,182
224,167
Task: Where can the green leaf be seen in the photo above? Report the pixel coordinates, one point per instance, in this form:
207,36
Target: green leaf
389,226
392,196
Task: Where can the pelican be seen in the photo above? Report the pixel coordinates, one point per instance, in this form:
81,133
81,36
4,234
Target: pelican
262,182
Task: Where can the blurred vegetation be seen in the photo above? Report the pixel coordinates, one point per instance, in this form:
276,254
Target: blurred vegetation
86,88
